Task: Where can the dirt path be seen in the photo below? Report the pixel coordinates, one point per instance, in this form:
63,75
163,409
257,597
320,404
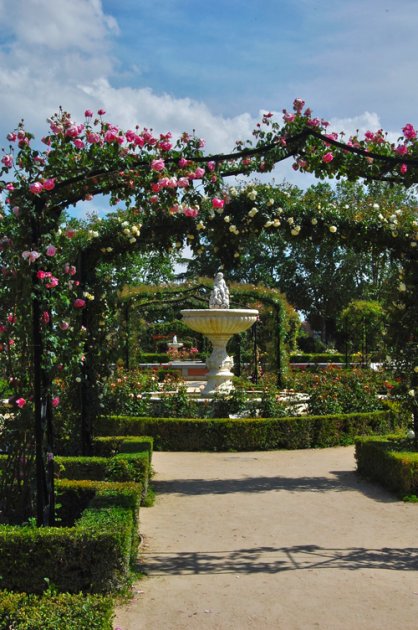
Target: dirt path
282,540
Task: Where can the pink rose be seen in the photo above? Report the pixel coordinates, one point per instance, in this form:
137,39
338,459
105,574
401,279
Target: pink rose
7,160
51,250
101,112
20,402
30,256
79,303
211,165
183,182
36,188
403,169
93,138
45,317
11,137
41,275
298,105
157,165
409,132
190,212
88,113
183,162
217,203
64,325
49,184
328,157
79,144
55,401
53,282
199,172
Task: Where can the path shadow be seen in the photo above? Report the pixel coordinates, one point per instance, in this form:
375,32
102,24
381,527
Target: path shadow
278,559
342,481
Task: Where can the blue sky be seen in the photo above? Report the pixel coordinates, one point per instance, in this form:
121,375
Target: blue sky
210,66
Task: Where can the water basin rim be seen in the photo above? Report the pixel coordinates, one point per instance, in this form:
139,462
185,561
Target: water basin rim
220,311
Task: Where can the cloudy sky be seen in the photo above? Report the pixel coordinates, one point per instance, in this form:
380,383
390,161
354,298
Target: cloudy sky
211,66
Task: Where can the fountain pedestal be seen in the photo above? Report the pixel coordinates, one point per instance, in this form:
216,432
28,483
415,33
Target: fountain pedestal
219,325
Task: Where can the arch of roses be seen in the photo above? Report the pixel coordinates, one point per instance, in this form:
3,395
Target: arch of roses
165,192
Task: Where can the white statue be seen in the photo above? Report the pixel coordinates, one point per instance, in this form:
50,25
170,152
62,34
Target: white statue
219,297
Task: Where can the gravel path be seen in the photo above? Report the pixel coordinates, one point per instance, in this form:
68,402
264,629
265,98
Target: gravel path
281,540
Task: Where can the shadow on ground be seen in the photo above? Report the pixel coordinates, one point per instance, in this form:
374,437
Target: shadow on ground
342,481
278,559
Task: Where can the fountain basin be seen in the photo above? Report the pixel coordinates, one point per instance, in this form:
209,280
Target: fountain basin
218,325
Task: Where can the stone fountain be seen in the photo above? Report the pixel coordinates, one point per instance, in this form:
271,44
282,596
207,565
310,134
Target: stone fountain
219,323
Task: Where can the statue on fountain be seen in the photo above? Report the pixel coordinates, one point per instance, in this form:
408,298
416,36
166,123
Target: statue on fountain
219,297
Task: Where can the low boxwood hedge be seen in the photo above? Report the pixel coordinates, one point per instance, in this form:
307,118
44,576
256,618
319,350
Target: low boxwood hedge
388,461
52,611
93,556
105,446
121,467
184,434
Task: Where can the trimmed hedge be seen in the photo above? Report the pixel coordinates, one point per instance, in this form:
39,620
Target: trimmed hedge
19,611
94,556
387,461
322,357
107,446
121,467
183,434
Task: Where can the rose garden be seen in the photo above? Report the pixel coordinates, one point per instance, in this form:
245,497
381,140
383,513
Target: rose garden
98,366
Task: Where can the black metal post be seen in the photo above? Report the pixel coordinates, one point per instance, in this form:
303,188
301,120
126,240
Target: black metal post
278,335
238,363
127,335
255,373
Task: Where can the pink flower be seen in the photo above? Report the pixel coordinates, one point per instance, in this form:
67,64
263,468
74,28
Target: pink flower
20,402
10,187
79,303
183,182
93,138
72,131
190,212
79,144
130,135
217,203
183,162
11,318
7,160
51,250
288,118
55,401
36,188
88,113
211,165
11,137
111,135
45,317
401,149
403,169
53,282
30,256
101,112
328,157
64,325
157,165
70,269
49,184
409,132
298,105
41,275
199,172
165,146
70,233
